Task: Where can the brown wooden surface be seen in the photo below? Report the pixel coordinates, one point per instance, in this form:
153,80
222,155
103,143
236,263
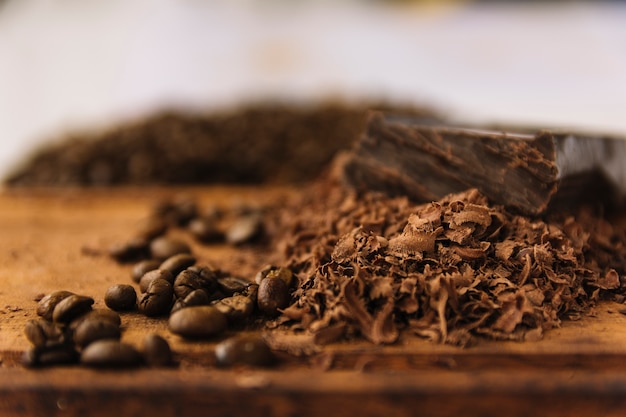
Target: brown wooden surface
579,369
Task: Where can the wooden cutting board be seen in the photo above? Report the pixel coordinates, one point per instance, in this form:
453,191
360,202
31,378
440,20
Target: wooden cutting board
53,239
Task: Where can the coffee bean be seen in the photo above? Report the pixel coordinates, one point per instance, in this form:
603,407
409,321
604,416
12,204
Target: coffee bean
150,276
178,211
46,305
208,274
178,304
232,285
156,351
130,251
42,332
188,281
35,333
109,353
178,263
244,229
158,298
97,314
162,248
276,271
205,230
197,322
273,295
185,208
50,354
142,267
94,329
244,350
71,307
235,308
195,298
30,357
152,227
260,276
121,297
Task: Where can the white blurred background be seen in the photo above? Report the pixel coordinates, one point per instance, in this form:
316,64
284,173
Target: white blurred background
87,64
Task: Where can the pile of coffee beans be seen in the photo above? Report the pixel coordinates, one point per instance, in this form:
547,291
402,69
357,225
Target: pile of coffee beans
199,301
70,331
170,280
238,226
203,302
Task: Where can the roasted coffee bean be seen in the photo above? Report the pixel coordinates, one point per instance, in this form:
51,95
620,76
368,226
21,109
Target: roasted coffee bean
131,251
195,298
252,291
232,285
121,297
42,332
35,333
178,211
152,227
30,357
186,209
96,314
50,355
205,230
276,271
94,329
158,298
244,350
46,305
197,322
243,230
186,282
273,295
178,304
178,263
150,276
260,276
235,308
71,307
142,267
156,351
208,274
162,248
110,353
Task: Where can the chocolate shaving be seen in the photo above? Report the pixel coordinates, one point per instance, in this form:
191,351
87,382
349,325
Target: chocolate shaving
451,270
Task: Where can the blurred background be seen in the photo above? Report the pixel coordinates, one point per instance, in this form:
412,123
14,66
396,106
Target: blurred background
69,65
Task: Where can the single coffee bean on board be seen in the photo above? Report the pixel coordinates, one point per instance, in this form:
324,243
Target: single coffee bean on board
197,322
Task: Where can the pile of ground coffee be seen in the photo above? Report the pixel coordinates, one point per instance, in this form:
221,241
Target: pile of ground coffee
254,144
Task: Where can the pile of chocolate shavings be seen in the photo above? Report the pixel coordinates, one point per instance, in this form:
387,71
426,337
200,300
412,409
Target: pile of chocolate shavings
451,271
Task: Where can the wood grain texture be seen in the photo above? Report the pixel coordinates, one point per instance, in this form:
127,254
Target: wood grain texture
50,240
